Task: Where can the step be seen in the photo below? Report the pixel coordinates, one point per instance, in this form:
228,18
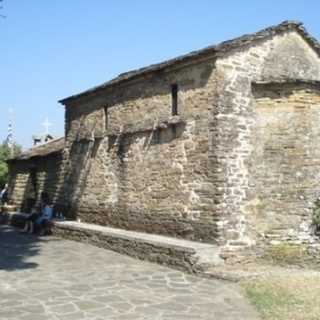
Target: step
184,255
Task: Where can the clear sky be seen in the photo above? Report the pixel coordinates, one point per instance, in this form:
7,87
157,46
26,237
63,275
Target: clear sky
52,49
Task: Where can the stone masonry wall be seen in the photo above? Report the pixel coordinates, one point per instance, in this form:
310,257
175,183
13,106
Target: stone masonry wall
241,178
285,162
149,172
24,185
18,183
198,175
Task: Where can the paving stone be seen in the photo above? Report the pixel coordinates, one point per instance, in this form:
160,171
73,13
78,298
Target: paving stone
35,309
72,316
9,313
63,309
105,312
32,316
48,279
89,305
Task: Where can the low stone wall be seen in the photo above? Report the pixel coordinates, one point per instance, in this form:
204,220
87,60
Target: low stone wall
189,256
14,219
183,255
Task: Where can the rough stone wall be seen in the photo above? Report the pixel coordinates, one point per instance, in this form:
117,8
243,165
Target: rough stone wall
18,183
149,171
284,165
199,175
233,135
24,185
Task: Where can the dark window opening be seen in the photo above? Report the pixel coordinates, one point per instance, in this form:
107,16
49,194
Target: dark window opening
174,97
33,180
174,131
156,136
106,118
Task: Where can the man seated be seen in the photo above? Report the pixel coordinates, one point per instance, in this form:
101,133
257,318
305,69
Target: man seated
43,221
40,220
30,221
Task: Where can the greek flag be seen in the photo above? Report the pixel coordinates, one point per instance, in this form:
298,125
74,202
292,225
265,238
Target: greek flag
9,139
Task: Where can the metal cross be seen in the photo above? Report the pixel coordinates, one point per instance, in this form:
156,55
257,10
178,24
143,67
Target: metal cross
46,125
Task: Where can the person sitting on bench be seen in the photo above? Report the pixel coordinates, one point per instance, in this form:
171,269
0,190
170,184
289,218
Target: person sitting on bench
44,220
41,219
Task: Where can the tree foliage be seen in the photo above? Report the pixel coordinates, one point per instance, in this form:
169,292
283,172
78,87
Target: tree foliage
1,7
5,154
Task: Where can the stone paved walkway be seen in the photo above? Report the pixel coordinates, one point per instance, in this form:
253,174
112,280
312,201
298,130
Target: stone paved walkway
49,278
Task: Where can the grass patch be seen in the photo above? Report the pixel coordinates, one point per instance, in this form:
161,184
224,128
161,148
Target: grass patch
286,254
285,298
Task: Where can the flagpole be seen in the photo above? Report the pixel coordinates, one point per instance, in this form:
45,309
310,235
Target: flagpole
10,133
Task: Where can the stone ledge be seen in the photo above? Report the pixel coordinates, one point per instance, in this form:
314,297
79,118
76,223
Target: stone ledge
16,219
147,125
190,256
181,254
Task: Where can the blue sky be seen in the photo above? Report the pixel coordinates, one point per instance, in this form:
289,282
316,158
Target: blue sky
52,49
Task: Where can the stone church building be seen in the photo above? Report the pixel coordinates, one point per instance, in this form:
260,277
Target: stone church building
221,145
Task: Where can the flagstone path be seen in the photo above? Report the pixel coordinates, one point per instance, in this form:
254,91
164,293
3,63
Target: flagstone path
50,278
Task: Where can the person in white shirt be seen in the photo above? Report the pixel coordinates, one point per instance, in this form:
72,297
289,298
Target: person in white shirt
4,195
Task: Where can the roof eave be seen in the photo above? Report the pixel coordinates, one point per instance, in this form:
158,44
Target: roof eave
217,50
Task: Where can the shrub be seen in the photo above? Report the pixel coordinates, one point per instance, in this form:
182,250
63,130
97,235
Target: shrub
286,254
316,215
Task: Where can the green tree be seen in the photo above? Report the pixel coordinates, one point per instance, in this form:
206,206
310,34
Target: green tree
1,7
4,156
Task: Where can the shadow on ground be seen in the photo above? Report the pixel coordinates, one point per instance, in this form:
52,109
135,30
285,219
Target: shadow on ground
16,248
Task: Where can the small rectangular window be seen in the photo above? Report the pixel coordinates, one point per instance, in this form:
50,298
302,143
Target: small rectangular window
174,99
106,118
